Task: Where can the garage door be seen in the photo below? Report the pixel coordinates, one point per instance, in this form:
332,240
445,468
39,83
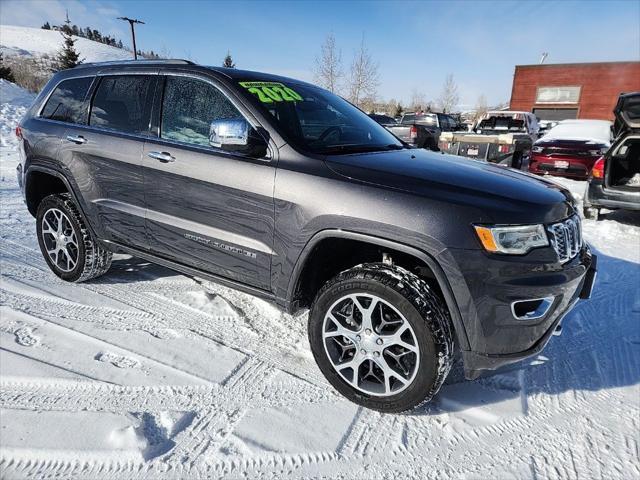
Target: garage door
556,113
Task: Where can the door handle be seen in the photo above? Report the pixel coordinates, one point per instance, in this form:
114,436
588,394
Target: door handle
164,157
79,139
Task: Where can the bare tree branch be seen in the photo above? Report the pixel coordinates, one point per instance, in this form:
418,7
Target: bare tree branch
449,97
328,70
364,77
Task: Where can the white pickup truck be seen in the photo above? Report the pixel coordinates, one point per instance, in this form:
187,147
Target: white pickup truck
503,137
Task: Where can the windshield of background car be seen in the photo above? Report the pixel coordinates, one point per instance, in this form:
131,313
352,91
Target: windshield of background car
318,121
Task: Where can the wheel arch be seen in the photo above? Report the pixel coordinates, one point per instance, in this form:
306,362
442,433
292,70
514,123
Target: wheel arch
34,192
313,248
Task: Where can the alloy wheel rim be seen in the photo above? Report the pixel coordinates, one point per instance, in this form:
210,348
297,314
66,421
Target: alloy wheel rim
370,344
60,240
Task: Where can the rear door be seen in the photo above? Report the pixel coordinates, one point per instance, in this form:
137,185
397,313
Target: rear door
628,112
622,167
64,107
105,155
207,208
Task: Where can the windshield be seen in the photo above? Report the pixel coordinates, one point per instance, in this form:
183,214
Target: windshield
318,121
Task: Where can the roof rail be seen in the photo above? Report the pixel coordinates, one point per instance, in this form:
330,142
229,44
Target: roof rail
171,61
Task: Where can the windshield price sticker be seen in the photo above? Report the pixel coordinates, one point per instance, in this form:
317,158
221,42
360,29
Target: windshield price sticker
269,92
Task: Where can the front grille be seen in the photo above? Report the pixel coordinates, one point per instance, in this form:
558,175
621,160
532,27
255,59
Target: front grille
566,238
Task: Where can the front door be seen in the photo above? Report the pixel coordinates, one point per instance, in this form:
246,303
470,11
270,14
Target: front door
206,208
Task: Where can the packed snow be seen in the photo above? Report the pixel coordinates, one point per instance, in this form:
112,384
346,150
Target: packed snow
25,41
593,131
145,373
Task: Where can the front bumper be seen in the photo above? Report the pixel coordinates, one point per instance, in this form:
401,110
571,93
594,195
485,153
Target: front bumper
495,337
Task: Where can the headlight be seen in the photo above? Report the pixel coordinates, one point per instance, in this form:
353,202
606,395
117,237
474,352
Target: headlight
516,240
537,149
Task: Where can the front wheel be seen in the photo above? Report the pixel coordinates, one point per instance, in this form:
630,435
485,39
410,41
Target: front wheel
382,337
66,243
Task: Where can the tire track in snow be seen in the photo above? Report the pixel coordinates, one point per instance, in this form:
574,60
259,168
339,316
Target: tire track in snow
209,429
275,350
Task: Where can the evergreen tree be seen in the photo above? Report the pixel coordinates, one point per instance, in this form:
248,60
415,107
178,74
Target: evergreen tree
88,33
228,61
75,30
120,45
5,71
67,57
46,26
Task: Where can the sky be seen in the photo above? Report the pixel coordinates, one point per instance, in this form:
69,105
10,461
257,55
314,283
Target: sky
416,44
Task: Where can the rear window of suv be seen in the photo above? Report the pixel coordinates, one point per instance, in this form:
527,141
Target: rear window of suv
66,103
123,103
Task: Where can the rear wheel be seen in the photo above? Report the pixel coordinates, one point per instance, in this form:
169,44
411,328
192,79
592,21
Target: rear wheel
66,243
381,336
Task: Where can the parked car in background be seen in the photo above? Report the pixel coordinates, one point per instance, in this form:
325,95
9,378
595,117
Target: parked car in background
423,129
614,182
571,148
384,120
503,137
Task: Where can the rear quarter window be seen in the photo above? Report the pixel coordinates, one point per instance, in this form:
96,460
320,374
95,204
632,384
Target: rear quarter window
123,103
66,103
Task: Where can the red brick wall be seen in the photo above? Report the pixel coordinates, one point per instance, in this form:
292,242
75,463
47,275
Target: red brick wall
601,84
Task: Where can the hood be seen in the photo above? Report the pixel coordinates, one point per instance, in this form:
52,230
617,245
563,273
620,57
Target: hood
503,194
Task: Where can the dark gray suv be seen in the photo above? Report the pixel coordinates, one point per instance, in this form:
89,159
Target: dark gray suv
406,258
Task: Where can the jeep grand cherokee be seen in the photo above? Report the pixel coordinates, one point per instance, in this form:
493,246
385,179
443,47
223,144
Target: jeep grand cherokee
283,190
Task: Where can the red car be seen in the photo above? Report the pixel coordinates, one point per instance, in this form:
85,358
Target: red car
571,148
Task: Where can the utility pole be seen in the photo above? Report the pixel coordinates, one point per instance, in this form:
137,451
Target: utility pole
133,33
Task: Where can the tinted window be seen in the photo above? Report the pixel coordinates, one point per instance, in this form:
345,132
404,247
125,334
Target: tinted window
66,103
188,108
408,118
123,103
427,119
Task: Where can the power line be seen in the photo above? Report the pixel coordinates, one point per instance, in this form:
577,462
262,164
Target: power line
133,33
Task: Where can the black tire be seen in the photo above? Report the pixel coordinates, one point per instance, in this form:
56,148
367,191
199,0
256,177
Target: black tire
591,213
422,308
92,259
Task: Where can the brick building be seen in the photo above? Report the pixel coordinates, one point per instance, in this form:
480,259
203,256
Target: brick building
573,90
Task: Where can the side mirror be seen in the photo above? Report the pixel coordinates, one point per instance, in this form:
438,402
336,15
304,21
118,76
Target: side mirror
236,135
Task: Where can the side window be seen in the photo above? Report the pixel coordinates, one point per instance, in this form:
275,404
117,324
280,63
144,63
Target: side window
66,103
123,103
188,108
452,123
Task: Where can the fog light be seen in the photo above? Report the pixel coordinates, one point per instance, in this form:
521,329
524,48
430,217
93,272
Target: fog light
531,309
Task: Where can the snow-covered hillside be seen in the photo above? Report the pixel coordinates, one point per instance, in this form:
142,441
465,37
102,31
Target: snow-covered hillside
145,373
25,41
14,102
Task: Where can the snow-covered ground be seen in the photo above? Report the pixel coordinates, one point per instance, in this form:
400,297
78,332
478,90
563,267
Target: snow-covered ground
145,373
25,41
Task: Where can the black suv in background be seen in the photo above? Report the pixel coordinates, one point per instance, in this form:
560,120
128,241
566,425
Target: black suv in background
285,191
614,181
